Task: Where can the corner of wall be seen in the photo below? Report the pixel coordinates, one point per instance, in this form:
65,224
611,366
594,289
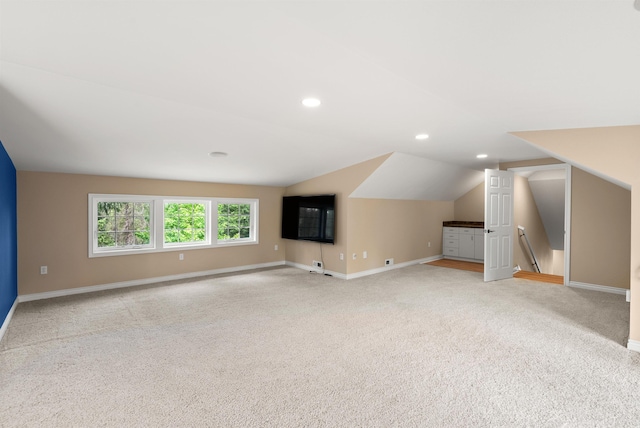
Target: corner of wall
8,235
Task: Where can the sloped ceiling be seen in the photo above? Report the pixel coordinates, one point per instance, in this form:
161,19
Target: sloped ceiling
148,88
404,176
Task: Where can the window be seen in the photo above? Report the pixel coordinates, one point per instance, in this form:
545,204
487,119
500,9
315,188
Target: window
124,224
234,221
186,222
128,224
121,224
237,221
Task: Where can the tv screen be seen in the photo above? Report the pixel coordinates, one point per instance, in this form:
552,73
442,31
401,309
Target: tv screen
309,218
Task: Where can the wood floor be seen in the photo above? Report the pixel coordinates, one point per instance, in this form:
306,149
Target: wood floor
479,267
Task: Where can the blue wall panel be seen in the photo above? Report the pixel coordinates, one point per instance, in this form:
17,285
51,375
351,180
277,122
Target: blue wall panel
8,235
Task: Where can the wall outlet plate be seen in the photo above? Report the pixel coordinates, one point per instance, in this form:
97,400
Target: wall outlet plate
388,262
317,264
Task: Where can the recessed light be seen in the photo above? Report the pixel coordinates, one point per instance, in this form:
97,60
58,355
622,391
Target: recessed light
218,154
422,136
311,102
482,156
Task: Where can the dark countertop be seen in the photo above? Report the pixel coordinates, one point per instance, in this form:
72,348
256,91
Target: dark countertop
470,224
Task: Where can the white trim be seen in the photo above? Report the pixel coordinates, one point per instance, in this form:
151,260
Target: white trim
364,272
392,267
633,345
463,259
567,226
102,287
595,287
7,320
316,270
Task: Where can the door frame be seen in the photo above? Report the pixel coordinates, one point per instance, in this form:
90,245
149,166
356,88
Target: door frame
567,208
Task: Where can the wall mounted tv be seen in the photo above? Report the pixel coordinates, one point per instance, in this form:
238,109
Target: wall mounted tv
309,218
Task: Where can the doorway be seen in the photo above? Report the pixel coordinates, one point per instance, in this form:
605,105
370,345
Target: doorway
550,188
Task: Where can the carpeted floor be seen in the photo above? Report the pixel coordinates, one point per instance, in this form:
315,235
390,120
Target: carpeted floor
419,346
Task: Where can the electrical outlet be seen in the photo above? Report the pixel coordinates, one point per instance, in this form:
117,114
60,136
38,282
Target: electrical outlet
180,256
275,247
43,270
388,262
429,244
354,256
341,256
364,254
317,264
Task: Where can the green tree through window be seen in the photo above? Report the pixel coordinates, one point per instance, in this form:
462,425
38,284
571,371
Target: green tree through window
123,224
135,224
185,222
234,221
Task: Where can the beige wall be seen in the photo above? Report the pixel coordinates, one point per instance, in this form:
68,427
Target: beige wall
53,224
600,226
391,228
342,182
470,206
614,152
558,262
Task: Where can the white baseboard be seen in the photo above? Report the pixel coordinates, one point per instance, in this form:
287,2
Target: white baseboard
364,272
316,270
633,345
391,267
102,287
595,287
7,320
464,259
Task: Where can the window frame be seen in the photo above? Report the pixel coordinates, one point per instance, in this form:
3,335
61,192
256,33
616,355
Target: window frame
208,223
93,225
253,220
156,224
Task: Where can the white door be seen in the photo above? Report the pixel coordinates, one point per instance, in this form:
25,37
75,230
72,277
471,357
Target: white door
498,224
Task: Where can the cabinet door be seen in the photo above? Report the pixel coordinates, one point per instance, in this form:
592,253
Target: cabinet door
479,244
466,246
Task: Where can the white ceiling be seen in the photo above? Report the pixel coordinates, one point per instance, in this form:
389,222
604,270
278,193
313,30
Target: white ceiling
148,88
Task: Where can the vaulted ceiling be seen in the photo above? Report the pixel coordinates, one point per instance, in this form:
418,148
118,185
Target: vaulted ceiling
149,88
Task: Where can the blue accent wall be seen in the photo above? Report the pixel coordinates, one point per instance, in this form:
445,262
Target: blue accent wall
8,235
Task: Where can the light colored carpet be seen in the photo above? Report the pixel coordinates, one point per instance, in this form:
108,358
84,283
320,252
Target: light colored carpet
419,346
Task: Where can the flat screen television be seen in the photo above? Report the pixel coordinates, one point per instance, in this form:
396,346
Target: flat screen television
309,218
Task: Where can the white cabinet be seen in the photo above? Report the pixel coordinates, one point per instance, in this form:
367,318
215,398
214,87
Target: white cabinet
450,237
463,242
466,246
478,237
